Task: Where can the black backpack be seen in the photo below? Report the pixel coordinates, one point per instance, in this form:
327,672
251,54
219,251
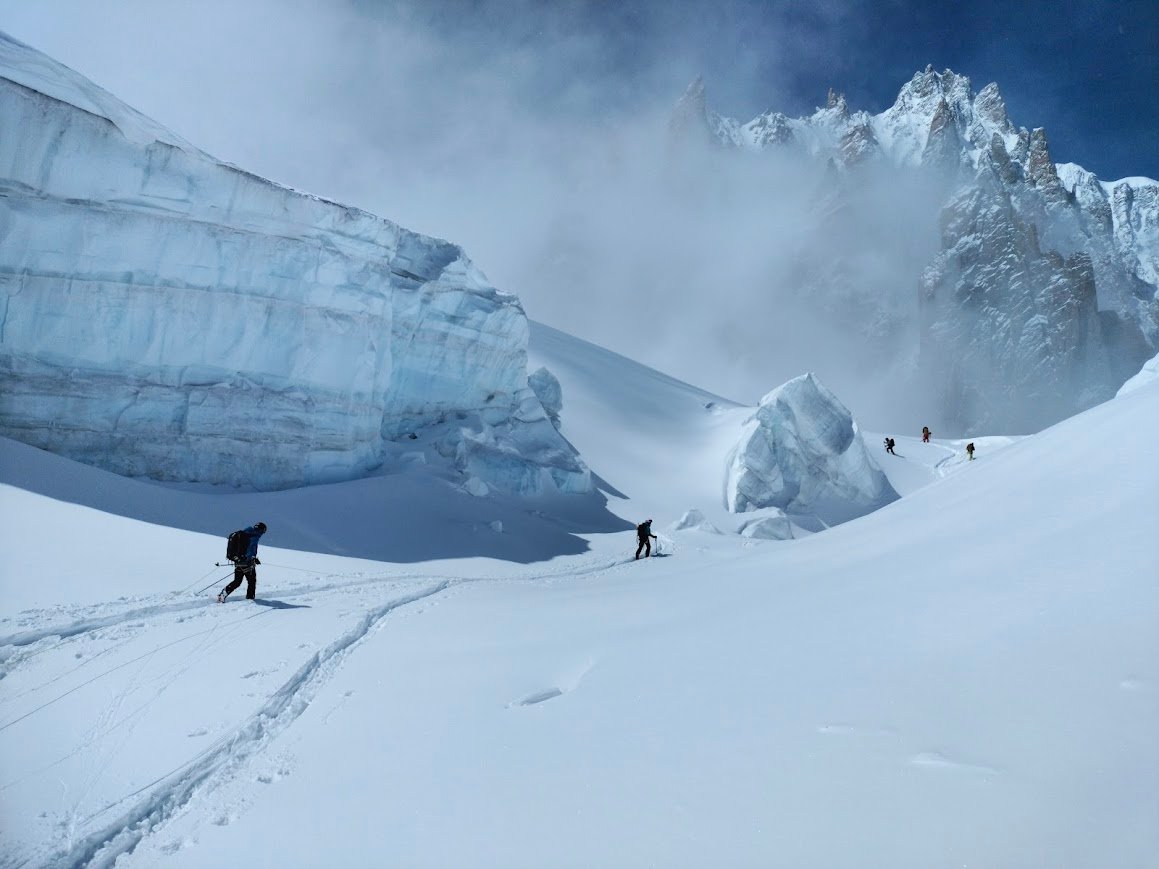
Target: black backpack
237,545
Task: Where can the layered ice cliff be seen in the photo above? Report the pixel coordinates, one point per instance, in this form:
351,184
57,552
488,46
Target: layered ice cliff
167,315
802,453
1044,295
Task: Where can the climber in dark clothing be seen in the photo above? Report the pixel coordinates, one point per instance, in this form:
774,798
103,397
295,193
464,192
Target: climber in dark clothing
889,445
244,566
645,536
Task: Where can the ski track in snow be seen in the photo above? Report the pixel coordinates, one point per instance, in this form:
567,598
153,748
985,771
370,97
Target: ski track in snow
168,795
171,793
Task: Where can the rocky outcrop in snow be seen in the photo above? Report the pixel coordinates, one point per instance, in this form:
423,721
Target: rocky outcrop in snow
1011,334
802,453
170,316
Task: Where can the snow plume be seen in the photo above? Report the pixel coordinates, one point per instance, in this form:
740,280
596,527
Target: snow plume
540,143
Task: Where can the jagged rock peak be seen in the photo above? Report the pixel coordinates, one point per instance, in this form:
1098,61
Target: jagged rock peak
926,89
695,91
691,110
1040,168
989,106
836,100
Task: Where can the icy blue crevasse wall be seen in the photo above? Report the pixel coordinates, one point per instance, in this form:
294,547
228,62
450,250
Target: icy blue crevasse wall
166,315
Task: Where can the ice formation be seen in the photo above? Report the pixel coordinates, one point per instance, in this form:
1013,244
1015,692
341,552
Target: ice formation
546,387
170,316
693,519
801,452
774,525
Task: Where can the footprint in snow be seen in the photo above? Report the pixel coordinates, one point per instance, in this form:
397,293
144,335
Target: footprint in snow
538,697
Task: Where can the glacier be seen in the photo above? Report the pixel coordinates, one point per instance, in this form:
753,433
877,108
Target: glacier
167,315
802,453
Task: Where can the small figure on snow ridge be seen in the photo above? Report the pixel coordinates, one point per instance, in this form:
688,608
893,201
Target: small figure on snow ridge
890,443
925,434
643,533
242,550
970,451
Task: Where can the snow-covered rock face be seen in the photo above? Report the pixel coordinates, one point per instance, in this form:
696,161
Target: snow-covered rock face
802,453
1047,278
170,316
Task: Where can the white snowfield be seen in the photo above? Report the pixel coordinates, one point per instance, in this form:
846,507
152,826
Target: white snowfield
169,316
967,676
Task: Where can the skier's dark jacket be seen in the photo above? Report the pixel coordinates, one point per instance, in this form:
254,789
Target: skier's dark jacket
251,551
644,530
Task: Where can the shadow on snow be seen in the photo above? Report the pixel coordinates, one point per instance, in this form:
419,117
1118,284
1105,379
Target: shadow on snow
406,517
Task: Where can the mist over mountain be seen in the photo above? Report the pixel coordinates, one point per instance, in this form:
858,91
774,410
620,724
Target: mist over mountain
941,254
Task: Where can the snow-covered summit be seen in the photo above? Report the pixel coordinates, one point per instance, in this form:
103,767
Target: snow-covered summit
170,316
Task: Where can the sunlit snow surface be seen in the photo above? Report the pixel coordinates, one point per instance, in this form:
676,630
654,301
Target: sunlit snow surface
968,676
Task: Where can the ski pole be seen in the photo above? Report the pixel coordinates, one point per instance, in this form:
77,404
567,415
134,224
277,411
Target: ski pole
180,590
212,584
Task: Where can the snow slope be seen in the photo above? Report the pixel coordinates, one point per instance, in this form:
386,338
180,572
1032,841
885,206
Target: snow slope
968,676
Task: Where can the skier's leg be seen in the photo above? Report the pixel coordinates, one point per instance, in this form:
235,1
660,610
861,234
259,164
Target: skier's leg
647,548
251,576
639,547
238,572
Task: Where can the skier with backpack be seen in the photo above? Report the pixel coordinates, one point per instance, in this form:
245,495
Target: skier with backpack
242,550
643,533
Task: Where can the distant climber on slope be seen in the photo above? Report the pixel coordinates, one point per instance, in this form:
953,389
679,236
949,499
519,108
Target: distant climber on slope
890,443
970,451
244,561
645,537
925,434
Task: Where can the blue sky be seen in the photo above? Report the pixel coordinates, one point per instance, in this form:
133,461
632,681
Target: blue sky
1086,71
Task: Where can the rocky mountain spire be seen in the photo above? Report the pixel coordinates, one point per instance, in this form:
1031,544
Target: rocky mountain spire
1040,169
